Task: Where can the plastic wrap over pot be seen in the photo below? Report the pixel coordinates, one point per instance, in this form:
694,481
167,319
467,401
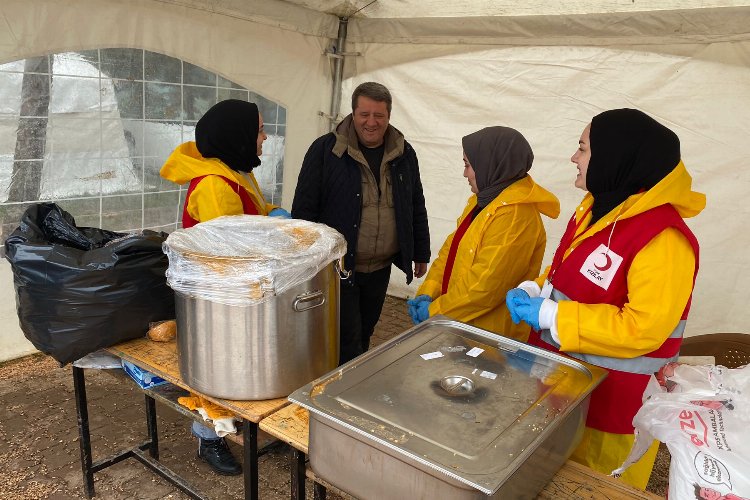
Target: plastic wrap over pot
243,260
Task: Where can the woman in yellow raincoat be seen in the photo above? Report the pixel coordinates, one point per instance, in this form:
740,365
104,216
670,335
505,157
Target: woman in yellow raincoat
618,291
219,169
499,240
219,165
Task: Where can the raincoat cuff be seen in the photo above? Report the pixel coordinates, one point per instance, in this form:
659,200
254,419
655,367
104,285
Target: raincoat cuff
548,315
530,287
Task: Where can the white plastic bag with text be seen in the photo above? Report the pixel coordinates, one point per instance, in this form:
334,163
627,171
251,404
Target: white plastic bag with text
702,414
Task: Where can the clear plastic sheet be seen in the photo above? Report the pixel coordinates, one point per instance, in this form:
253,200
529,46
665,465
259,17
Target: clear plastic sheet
99,360
244,260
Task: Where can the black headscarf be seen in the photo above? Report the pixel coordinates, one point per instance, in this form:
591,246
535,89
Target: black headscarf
630,152
229,131
499,156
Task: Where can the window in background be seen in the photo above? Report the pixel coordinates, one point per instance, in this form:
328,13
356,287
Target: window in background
90,130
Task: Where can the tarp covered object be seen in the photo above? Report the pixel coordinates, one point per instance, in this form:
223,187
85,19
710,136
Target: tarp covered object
81,289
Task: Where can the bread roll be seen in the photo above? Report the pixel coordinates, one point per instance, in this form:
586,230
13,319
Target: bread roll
163,331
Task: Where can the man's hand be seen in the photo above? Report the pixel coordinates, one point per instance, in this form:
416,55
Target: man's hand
420,269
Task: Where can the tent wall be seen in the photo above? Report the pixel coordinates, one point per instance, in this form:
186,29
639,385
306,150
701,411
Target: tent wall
699,89
258,52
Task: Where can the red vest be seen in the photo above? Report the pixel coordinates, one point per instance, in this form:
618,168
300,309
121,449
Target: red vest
451,259
596,272
248,207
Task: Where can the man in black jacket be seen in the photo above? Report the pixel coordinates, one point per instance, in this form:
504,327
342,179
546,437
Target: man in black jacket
363,180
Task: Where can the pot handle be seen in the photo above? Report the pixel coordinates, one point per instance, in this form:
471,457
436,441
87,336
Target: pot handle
339,267
308,300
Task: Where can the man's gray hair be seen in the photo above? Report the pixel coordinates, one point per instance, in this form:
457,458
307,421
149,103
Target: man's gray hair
375,91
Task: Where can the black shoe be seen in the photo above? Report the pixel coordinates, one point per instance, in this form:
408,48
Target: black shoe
215,453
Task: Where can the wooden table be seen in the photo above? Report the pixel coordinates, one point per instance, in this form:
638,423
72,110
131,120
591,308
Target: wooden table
160,358
573,481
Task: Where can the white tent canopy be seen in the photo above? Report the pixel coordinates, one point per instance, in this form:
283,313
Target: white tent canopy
544,68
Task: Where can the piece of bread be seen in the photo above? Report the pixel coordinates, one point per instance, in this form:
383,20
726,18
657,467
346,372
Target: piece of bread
163,331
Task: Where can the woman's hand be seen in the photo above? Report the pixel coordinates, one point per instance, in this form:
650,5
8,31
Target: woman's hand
538,312
419,308
280,212
524,308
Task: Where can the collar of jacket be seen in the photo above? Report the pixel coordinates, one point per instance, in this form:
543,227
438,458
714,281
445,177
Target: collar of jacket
523,191
347,141
675,189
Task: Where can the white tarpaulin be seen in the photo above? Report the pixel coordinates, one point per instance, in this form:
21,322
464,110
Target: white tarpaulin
455,67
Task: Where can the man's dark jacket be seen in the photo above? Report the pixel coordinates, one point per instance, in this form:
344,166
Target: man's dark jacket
329,190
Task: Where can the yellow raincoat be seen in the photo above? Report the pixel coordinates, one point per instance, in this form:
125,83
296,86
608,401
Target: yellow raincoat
503,246
212,197
660,282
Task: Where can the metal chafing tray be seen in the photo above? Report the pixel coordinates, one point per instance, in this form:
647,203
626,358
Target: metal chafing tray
446,410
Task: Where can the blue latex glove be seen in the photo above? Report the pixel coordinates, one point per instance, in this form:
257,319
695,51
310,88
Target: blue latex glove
413,314
417,311
423,311
280,212
512,294
419,298
524,309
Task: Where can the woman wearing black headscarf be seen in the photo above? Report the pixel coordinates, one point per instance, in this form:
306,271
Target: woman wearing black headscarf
499,240
219,167
617,294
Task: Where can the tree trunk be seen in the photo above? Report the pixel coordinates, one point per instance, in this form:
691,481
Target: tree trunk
31,139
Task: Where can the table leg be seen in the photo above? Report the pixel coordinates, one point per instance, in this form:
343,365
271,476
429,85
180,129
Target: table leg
319,491
153,435
297,466
250,455
82,412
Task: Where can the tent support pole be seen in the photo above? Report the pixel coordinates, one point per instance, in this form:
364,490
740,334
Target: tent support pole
338,71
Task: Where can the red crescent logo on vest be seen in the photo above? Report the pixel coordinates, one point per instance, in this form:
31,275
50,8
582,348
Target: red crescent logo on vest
607,265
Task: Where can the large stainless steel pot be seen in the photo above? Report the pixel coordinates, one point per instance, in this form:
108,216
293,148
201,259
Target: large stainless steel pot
446,410
260,351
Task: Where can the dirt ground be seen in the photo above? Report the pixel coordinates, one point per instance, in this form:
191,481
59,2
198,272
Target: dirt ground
39,451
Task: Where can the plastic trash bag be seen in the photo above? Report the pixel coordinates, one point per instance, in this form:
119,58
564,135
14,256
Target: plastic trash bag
99,360
82,289
702,414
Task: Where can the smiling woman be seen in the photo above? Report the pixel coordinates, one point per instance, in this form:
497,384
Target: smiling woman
619,289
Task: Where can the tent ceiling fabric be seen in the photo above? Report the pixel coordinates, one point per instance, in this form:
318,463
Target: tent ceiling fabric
388,9
289,16
614,28
581,22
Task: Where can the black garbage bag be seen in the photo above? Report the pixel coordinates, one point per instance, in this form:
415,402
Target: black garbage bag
82,289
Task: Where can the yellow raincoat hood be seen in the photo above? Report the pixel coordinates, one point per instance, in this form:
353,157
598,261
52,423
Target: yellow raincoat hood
212,197
186,163
675,189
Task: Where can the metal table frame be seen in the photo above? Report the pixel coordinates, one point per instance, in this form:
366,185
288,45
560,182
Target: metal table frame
298,466
151,460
